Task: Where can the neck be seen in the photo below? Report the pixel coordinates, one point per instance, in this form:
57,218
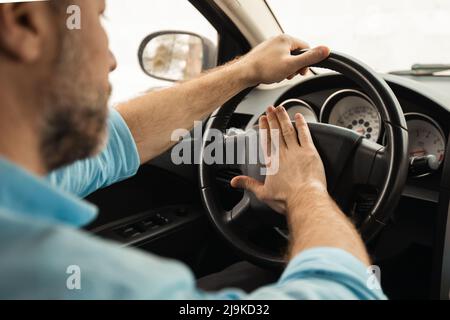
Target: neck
19,141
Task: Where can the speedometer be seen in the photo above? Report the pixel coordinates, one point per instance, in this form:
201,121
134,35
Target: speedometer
353,110
426,138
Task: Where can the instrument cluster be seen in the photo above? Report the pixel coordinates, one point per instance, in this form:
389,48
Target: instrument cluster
354,110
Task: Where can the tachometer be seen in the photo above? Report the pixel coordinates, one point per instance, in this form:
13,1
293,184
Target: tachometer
294,106
426,140
353,110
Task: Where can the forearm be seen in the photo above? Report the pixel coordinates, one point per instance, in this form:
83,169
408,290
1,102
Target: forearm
316,221
154,116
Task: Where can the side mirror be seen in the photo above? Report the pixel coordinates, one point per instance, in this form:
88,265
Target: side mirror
176,55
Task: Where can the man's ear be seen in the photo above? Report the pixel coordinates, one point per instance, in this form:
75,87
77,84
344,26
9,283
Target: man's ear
24,29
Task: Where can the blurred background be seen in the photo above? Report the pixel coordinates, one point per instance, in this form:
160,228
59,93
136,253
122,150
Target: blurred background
388,35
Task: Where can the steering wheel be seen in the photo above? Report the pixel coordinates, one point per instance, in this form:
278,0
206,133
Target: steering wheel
365,178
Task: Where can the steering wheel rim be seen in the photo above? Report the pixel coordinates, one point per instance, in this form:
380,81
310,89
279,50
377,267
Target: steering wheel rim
395,153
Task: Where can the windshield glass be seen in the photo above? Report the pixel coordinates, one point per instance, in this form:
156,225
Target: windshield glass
388,35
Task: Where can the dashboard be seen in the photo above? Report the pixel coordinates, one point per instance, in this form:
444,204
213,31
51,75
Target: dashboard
334,100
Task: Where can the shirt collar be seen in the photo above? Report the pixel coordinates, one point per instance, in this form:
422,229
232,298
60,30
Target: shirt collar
23,193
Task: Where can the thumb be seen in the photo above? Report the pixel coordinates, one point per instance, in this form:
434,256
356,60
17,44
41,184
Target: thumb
247,183
310,57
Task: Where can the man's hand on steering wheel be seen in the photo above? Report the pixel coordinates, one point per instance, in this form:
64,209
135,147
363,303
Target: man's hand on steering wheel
272,61
300,169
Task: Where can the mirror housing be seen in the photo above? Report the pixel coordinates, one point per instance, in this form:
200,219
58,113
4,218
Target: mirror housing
176,55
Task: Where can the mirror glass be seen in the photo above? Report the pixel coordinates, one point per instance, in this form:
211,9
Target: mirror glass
173,57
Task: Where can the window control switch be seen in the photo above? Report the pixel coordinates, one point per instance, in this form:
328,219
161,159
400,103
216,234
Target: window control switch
146,225
128,232
162,220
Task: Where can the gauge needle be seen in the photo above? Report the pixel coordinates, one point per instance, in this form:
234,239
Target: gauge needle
416,153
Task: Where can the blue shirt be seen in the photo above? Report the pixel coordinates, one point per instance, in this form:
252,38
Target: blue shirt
40,244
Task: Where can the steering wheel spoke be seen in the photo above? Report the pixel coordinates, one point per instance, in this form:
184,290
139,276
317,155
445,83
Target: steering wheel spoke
362,180
379,169
237,214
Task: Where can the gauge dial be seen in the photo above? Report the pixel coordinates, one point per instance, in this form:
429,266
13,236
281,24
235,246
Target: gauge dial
294,106
358,114
425,137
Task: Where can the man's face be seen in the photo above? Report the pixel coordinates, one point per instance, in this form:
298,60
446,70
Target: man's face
73,123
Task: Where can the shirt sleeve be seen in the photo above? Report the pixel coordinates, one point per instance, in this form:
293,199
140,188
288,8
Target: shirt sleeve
109,271
324,274
117,162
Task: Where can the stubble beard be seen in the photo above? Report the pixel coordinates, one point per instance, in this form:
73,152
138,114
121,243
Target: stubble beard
74,120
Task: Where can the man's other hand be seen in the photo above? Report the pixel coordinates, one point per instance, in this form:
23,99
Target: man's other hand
272,61
300,171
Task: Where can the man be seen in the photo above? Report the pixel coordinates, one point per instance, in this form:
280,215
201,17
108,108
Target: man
53,111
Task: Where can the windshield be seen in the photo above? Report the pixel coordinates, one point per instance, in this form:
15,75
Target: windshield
388,35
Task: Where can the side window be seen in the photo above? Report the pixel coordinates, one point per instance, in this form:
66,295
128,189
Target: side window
129,22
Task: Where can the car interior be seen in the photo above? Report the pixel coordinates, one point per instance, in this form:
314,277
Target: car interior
395,185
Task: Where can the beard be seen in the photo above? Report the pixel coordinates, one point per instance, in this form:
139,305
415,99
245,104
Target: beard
74,118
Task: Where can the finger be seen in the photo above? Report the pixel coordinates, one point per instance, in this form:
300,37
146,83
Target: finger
287,129
247,183
274,128
265,135
297,43
304,135
310,57
304,71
